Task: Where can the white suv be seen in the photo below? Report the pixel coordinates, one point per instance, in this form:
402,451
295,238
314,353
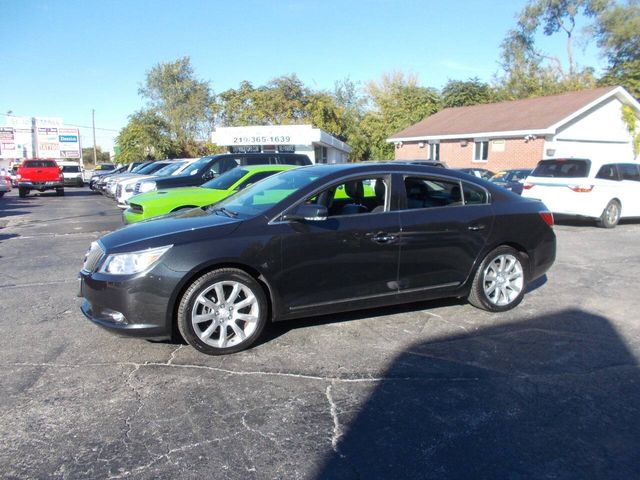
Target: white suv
605,191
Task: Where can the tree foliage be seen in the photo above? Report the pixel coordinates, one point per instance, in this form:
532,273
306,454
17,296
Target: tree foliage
147,136
459,93
87,156
185,104
396,102
618,35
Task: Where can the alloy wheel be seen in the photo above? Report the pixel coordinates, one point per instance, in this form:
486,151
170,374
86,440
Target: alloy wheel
225,314
503,280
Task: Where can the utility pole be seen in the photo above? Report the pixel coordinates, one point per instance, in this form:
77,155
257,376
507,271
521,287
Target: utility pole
95,153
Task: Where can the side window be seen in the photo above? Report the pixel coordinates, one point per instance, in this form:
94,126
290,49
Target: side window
227,164
474,195
255,178
427,193
629,171
366,195
608,172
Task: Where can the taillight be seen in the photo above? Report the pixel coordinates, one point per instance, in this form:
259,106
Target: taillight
581,188
527,186
547,217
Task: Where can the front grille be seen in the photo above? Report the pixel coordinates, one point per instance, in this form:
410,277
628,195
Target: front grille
118,191
135,208
136,190
94,255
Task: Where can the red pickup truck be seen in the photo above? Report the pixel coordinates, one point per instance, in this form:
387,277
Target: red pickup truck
39,174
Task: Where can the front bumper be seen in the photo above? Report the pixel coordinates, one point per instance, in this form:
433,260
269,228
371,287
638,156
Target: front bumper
41,185
143,301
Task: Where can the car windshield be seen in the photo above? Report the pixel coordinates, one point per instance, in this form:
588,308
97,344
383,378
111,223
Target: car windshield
70,168
147,168
224,182
195,166
261,196
562,168
169,169
140,167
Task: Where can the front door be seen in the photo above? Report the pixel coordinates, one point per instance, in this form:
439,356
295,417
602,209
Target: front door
351,255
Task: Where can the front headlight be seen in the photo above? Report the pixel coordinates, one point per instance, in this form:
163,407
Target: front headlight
147,186
133,262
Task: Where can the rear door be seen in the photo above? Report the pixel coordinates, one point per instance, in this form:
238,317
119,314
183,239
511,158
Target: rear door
444,226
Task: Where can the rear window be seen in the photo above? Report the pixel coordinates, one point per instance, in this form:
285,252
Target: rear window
40,164
562,168
70,168
105,166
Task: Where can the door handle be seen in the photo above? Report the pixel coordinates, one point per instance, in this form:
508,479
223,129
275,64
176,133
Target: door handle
476,227
382,237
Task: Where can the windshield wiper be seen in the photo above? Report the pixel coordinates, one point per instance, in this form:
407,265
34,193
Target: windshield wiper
226,211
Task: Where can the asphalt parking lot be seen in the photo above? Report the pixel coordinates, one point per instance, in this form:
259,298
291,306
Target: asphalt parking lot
432,390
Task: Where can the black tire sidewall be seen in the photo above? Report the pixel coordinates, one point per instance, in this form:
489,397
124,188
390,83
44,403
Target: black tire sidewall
200,284
481,300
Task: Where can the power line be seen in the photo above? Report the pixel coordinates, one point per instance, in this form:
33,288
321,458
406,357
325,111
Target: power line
66,124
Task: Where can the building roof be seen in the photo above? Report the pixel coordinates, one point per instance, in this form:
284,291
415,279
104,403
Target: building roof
531,115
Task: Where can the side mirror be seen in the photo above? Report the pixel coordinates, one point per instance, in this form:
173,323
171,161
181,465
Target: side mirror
209,175
308,212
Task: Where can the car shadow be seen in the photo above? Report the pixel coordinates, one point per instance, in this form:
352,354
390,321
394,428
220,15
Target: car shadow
550,397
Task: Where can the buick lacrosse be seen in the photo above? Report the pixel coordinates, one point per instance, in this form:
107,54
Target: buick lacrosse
316,240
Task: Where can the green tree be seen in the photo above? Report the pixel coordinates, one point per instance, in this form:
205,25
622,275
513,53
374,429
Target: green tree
147,136
395,102
618,35
458,93
87,156
185,104
530,72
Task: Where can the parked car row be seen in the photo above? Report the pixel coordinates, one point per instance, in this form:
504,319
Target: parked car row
155,188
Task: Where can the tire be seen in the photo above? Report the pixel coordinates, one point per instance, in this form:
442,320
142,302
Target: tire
2,194
23,192
610,215
500,281
60,192
246,297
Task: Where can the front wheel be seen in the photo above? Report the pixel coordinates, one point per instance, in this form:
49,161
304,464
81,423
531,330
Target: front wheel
500,280
60,192
610,215
223,311
22,192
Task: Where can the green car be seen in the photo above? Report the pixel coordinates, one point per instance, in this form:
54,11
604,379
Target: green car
161,202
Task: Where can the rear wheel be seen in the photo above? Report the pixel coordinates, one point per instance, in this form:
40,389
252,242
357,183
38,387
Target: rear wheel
1,194
60,192
223,311
610,215
22,192
499,281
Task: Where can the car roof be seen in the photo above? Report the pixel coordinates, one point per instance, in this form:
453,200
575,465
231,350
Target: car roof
266,167
390,166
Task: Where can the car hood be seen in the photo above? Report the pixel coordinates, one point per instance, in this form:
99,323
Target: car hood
170,229
175,194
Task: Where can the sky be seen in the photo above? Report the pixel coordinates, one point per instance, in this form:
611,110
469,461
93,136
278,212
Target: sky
65,58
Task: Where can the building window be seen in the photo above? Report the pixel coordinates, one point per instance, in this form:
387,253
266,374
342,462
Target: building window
434,151
481,151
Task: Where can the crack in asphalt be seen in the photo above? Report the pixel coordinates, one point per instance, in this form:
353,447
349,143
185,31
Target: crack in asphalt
337,428
37,284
